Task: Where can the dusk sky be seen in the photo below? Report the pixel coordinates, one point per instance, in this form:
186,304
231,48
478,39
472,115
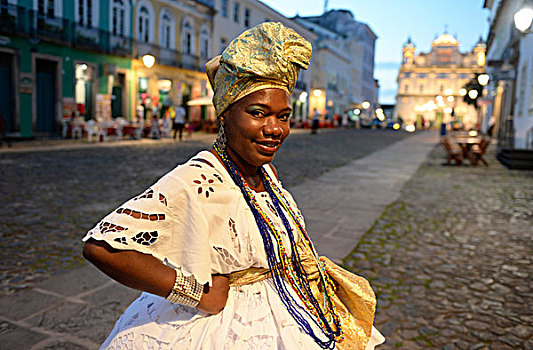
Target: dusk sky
395,20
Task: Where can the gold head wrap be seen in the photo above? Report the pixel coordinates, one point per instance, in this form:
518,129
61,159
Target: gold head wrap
268,55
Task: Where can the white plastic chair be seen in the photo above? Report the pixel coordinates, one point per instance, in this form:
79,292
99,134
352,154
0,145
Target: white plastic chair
140,128
77,128
96,129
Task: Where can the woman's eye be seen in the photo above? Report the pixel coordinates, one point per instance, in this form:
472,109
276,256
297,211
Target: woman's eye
284,117
257,113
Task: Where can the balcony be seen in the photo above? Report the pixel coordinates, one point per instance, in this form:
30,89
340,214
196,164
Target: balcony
171,57
23,22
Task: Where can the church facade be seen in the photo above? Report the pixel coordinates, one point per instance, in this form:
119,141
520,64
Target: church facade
430,85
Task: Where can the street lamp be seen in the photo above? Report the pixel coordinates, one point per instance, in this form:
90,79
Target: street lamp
473,94
365,105
148,61
523,19
483,79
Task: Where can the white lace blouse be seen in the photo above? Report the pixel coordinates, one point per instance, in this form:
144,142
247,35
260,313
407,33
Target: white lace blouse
195,219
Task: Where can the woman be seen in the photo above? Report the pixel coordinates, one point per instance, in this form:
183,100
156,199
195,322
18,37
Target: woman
217,245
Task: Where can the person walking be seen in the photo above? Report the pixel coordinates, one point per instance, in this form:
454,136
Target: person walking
179,122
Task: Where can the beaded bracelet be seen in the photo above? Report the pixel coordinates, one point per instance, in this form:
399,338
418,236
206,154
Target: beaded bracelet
186,291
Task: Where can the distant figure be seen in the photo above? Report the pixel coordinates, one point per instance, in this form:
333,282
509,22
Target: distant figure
314,123
154,127
179,122
344,121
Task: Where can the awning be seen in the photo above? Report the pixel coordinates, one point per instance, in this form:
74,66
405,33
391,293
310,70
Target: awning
201,101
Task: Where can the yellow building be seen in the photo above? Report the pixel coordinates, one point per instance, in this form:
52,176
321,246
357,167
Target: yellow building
430,84
177,34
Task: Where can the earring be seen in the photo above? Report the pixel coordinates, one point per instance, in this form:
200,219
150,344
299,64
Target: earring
221,138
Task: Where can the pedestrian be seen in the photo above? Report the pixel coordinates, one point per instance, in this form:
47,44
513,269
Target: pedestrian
217,245
314,122
179,122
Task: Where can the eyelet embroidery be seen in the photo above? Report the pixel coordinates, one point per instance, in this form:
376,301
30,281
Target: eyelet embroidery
121,240
107,227
163,199
204,185
148,194
145,238
233,234
139,215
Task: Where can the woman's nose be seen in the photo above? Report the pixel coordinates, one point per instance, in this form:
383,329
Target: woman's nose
273,127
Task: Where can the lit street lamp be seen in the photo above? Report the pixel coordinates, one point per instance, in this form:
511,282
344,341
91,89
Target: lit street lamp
472,94
148,61
523,19
483,79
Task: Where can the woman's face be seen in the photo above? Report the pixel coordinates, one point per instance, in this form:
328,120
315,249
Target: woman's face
256,126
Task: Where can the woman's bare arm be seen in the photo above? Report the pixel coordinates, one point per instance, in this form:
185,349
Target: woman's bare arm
146,273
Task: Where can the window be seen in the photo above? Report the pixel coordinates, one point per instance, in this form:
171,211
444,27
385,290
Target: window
45,8
204,42
224,8
187,37
85,12
406,88
167,29
442,76
118,17
144,24
246,17
236,9
421,88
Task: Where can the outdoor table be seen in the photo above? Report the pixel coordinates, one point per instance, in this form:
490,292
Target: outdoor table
466,145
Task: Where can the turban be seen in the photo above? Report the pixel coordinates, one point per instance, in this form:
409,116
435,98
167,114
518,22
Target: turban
268,55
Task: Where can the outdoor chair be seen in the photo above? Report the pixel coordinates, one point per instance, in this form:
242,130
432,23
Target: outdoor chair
95,129
479,151
77,128
452,154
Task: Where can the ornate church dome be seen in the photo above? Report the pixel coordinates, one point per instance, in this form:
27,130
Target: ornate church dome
445,40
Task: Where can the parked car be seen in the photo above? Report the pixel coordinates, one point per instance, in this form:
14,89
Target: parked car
391,125
374,123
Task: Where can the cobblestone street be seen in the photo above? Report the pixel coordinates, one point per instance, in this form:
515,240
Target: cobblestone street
51,198
452,259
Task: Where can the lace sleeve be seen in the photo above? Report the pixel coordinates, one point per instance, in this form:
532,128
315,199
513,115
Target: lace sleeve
165,221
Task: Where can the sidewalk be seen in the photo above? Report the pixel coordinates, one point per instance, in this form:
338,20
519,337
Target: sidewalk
77,310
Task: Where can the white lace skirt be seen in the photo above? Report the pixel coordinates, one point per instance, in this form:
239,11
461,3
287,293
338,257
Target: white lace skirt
254,318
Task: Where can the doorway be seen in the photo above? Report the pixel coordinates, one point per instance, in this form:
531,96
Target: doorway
7,97
117,95
45,82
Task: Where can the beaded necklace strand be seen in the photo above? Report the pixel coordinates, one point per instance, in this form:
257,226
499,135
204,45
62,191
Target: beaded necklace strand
289,267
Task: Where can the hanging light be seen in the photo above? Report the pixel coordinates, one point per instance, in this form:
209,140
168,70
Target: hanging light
148,61
472,94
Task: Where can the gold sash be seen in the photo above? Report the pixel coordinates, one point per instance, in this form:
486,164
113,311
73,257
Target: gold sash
354,298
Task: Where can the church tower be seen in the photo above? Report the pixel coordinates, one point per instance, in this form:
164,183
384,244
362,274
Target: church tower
408,52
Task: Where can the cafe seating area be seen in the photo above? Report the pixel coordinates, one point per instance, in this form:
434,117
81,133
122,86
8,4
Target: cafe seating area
466,148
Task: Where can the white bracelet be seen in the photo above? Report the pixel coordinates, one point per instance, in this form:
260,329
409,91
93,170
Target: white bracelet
186,290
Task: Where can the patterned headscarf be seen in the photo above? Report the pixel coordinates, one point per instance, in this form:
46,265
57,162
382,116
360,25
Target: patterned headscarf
268,55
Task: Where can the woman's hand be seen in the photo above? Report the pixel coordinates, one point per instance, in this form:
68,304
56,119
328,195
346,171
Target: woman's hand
214,298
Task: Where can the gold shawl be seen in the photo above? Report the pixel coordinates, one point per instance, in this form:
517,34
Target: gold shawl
354,298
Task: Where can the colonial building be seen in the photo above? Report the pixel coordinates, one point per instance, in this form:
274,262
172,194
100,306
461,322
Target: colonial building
179,35
60,58
235,16
346,59
510,65
430,84
63,57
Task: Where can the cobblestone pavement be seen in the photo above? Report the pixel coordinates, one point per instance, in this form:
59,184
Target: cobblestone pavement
452,259
50,198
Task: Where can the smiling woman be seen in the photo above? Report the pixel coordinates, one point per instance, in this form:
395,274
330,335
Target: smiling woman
218,246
